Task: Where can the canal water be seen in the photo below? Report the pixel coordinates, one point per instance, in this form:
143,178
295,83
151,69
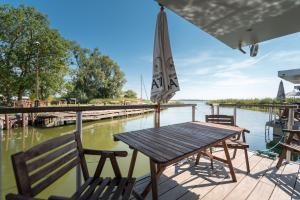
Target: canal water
99,135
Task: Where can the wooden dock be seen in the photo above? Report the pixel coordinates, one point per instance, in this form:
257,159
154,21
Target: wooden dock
64,118
185,181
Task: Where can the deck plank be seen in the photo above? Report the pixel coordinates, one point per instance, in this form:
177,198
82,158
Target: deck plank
184,181
286,182
263,190
198,175
222,190
252,180
296,192
210,180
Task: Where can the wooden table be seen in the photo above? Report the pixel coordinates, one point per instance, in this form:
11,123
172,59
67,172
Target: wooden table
169,144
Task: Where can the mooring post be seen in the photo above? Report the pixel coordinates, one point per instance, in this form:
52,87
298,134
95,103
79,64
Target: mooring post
24,121
234,115
290,124
212,109
218,109
7,123
78,131
193,113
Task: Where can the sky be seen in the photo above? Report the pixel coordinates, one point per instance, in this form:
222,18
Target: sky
206,68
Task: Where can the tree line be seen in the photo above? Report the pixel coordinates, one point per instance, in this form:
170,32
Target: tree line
36,61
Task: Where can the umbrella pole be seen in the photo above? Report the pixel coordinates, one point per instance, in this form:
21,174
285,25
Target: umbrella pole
157,116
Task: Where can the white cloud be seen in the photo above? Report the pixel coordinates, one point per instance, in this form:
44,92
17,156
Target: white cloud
234,78
211,75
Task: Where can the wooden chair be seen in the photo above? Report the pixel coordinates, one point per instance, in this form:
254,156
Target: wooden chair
233,143
40,166
287,145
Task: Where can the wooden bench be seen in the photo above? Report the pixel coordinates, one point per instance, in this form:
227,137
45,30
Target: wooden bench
233,143
287,145
40,166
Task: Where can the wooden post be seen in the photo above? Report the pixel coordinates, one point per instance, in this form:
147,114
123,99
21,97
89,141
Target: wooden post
78,131
212,109
24,120
193,113
218,109
234,115
1,139
7,123
290,124
1,125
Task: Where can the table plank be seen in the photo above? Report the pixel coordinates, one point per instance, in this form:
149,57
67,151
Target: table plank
170,142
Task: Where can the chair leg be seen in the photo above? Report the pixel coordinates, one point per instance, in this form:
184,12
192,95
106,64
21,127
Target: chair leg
284,150
211,160
247,160
234,153
282,156
198,158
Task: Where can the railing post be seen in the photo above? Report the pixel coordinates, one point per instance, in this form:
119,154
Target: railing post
218,109
290,124
212,109
193,113
78,131
234,115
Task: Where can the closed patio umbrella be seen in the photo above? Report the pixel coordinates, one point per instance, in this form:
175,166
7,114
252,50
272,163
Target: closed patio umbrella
280,93
164,78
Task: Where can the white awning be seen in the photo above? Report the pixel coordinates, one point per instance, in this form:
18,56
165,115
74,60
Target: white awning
245,21
292,75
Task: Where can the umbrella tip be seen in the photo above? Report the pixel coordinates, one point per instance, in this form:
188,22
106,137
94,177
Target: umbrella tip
161,7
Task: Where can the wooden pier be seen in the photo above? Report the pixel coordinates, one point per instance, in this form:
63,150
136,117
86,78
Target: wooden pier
64,118
185,181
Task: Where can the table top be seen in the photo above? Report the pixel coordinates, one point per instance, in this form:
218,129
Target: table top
168,143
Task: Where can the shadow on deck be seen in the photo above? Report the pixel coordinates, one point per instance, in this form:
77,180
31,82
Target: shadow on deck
185,181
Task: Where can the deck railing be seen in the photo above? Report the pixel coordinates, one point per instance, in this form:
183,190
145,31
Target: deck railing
80,109
270,107
215,109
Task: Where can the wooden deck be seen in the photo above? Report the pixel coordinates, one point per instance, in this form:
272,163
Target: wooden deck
185,181
63,118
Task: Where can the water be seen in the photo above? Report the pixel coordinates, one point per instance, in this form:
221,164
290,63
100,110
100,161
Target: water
99,135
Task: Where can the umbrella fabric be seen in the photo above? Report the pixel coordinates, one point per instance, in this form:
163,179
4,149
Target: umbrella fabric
280,93
164,78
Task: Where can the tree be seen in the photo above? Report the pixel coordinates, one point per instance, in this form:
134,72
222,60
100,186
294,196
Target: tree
29,51
130,94
96,75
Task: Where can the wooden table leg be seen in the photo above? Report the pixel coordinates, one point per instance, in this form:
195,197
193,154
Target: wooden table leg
229,161
158,171
198,158
132,163
153,180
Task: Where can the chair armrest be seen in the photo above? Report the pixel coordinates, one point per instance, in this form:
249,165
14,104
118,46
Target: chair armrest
291,131
58,198
11,196
105,153
246,131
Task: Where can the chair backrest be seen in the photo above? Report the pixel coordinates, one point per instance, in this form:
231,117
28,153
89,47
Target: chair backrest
220,119
40,166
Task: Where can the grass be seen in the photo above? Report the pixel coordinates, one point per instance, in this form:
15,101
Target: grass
244,103
252,101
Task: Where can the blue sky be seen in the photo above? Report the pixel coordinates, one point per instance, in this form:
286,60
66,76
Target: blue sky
206,68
